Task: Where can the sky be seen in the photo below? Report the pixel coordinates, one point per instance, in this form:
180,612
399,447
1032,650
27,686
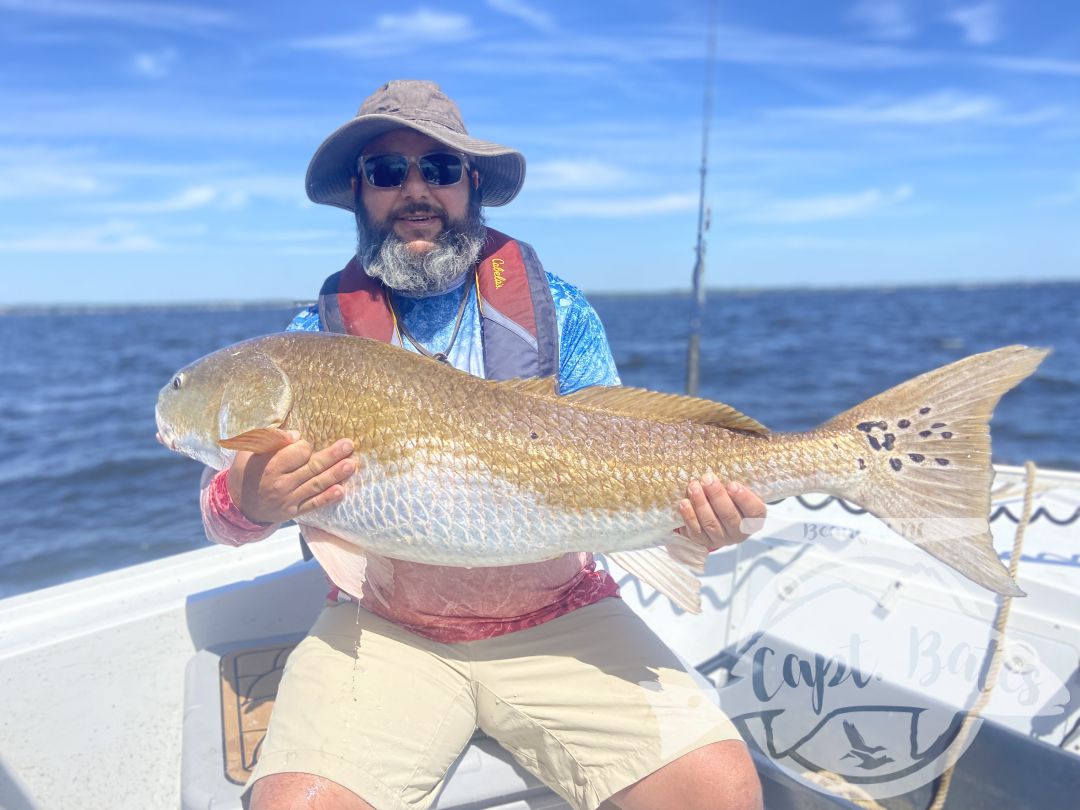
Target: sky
155,152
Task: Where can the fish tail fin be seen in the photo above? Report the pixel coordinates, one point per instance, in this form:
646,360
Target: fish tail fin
922,458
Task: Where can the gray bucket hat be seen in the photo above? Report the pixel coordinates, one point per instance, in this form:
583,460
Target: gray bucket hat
421,106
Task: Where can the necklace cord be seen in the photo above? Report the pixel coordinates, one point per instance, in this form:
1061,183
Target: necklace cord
443,356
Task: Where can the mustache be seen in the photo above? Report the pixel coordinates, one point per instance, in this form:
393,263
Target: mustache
414,208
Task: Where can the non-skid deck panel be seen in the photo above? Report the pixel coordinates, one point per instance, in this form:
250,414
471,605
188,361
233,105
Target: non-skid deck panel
249,684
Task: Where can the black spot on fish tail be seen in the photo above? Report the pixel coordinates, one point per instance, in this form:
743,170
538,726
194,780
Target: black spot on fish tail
917,457
903,423
926,433
895,463
946,435
889,439
937,425
944,462
534,435
874,442
862,464
924,411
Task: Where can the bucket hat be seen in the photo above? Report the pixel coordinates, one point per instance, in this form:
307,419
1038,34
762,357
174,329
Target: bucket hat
418,105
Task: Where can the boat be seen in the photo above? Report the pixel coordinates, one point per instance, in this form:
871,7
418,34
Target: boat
849,660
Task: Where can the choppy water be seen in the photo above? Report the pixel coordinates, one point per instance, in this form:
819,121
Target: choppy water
84,487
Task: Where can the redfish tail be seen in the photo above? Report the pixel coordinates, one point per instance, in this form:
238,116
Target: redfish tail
923,462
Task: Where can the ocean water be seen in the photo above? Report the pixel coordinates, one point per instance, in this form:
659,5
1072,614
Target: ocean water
85,488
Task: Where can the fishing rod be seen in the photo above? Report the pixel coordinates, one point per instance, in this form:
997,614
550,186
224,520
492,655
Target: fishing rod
693,351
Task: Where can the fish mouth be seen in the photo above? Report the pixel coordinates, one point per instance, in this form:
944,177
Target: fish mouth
167,441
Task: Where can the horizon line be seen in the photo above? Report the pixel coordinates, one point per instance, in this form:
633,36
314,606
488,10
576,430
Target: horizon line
31,307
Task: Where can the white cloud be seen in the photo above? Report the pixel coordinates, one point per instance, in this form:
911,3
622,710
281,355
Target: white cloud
186,200
36,173
573,174
824,208
154,64
884,19
980,24
396,33
112,237
149,15
626,206
938,108
1017,64
1070,196
535,17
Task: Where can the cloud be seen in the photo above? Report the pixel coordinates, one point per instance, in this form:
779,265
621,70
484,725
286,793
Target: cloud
396,33
980,24
112,237
40,173
154,64
147,15
1070,196
573,174
626,206
938,108
535,17
1019,64
884,19
186,200
824,208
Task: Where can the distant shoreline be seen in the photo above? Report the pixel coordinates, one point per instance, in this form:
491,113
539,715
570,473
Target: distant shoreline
99,308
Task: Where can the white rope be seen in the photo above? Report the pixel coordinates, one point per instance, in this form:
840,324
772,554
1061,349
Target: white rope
996,649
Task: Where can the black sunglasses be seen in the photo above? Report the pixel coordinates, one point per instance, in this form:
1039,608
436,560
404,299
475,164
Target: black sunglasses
390,171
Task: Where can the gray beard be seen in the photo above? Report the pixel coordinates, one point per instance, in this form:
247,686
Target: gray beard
385,256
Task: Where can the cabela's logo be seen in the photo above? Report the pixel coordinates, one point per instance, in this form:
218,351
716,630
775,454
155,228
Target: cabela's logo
497,269
850,677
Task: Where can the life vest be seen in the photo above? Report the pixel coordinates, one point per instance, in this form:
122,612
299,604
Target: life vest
517,314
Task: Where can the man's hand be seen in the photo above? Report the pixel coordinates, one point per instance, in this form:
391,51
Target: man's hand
279,486
715,513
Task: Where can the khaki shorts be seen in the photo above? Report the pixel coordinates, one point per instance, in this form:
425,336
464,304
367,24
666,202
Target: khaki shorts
590,702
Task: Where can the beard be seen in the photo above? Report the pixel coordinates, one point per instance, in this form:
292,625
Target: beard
384,254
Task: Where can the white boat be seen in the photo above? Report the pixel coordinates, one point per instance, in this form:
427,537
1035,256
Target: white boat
838,648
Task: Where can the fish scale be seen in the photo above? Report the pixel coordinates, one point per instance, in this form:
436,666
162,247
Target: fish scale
457,470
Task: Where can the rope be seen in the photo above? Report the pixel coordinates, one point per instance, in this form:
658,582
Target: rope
838,786
996,648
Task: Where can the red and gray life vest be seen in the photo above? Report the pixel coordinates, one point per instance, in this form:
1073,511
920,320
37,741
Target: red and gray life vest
517,314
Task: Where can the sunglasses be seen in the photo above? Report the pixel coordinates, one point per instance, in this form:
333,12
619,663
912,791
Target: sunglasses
390,171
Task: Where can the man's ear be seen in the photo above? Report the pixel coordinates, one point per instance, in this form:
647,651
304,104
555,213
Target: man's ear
475,179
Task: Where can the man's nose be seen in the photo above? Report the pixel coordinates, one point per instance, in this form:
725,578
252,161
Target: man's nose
415,185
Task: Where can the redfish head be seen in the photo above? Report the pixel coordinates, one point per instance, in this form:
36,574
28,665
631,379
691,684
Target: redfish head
223,395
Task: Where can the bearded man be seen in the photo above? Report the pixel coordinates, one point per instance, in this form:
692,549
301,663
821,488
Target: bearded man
391,682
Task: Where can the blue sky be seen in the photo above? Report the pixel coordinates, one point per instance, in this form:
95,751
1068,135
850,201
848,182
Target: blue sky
156,151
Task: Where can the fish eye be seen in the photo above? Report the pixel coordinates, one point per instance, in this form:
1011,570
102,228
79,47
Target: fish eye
178,381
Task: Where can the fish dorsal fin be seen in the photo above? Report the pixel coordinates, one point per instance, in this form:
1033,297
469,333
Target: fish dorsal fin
535,386
645,404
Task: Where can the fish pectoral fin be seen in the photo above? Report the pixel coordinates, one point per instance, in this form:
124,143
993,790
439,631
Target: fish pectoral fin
353,569
656,568
259,440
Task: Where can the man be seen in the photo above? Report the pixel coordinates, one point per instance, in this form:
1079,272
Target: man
391,683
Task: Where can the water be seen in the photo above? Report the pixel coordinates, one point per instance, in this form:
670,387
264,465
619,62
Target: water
84,488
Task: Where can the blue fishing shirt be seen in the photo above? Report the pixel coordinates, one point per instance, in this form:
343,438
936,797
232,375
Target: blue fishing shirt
584,355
